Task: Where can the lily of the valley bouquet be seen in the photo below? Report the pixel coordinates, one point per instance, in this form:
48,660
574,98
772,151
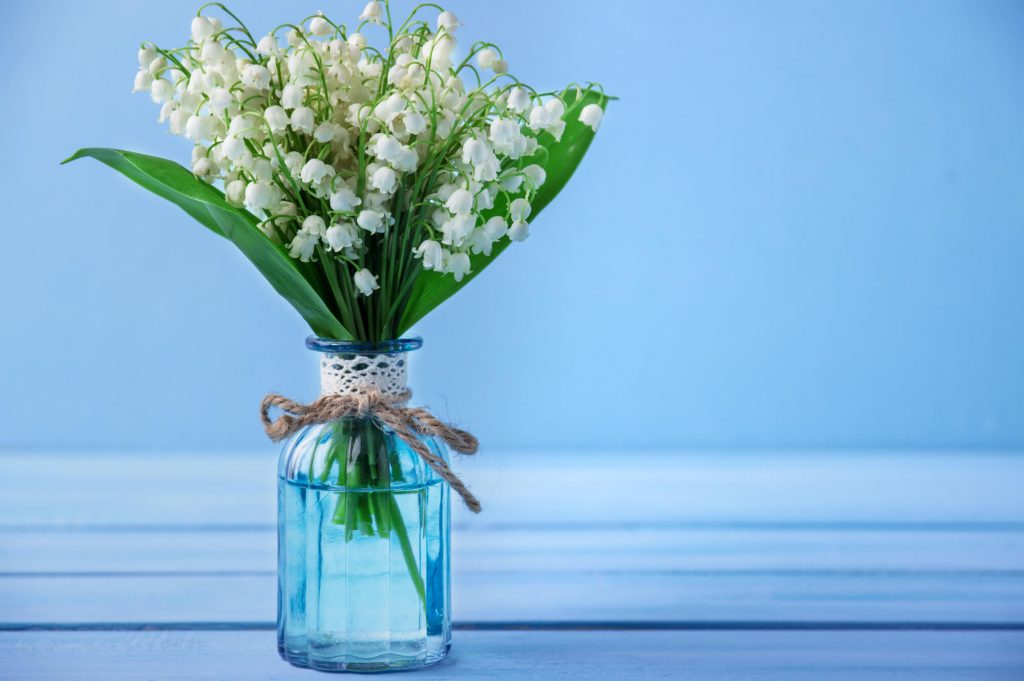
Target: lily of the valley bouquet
368,172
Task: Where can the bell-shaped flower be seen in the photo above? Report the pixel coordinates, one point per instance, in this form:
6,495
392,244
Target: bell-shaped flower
384,180
161,90
316,171
535,174
448,21
365,282
277,119
457,229
519,210
261,195
267,45
519,231
495,228
486,58
372,12
143,80
518,99
344,200
220,99
592,115
303,246
320,27
458,265
341,236
433,255
460,202
479,242
407,160
500,66
234,192
371,220
314,224
326,132
202,28
292,96
256,76
302,120
506,138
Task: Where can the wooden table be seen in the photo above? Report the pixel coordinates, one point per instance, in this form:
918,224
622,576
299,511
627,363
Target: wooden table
767,565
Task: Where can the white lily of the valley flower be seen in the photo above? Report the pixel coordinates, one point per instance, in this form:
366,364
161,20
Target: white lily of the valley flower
344,200
292,96
365,282
261,195
495,228
518,231
316,171
592,115
536,174
320,27
143,80
276,118
341,236
448,21
486,58
256,76
202,28
303,246
384,180
234,192
326,132
433,255
371,220
519,209
458,265
314,224
460,202
372,12
499,66
518,99
302,120
267,45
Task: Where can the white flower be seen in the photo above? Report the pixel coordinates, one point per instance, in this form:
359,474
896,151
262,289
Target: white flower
506,138
536,174
357,41
372,12
261,195
458,228
458,265
314,224
518,99
303,246
202,28
267,45
495,228
519,210
415,123
220,99
341,236
204,167
384,180
479,242
460,202
519,231
302,120
371,220
234,192
500,66
326,132
364,280
255,76
447,21
344,200
143,79
276,118
147,53
294,161
407,160
319,26
433,255
592,115
316,171
486,58
161,90
548,117
292,96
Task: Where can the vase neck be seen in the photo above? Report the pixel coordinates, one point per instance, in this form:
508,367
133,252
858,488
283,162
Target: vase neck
345,374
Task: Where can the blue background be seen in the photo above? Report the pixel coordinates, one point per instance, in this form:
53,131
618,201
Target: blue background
801,226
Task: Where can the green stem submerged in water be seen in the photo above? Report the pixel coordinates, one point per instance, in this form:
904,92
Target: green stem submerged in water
358,449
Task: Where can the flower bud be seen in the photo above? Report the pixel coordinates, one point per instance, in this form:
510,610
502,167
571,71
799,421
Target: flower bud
591,116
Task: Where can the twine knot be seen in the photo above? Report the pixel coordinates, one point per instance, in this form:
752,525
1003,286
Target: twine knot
408,423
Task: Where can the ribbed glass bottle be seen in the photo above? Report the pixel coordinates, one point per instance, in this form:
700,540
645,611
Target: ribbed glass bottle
363,528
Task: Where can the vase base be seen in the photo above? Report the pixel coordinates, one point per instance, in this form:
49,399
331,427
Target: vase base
354,664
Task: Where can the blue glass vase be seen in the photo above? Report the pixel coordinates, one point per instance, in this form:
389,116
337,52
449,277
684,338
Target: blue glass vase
363,529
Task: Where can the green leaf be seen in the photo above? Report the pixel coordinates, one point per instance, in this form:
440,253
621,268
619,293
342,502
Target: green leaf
207,205
559,160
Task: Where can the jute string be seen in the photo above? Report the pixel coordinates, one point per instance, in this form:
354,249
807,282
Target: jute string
408,423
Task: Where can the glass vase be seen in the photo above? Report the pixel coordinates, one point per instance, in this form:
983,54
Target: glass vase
363,530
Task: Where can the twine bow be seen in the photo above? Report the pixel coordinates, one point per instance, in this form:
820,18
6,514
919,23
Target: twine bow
408,423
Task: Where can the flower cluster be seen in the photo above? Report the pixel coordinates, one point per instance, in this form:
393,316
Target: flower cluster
376,161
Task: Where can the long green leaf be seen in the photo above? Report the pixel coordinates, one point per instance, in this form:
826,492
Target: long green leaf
559,160
207,205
